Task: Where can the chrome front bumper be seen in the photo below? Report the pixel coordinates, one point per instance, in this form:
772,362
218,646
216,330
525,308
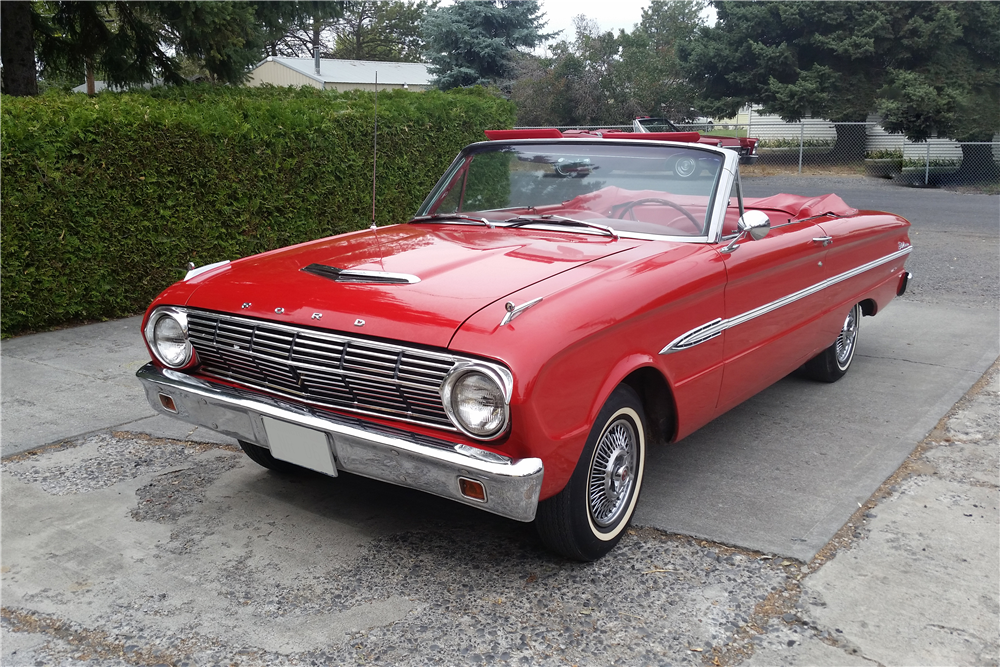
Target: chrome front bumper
360,447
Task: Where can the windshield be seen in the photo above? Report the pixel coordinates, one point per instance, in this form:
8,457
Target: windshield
664,190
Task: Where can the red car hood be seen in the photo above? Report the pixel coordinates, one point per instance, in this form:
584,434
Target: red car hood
461,269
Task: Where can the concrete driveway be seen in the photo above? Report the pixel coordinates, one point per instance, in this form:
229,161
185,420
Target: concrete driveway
141,540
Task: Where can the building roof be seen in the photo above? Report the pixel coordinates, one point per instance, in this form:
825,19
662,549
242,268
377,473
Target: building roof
357,71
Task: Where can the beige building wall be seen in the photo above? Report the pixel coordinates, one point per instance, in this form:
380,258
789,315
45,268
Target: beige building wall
279,75
341,87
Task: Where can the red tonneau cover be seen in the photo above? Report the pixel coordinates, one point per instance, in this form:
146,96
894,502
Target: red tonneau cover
543,133
688,137
552,133
798,207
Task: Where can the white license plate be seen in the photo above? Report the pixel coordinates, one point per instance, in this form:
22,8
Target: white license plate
300,445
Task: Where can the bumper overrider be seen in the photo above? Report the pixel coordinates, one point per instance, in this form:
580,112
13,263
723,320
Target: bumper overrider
357,446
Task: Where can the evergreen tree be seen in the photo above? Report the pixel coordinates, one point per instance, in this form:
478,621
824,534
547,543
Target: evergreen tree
475,42
17,48
927,66
127,42
297,29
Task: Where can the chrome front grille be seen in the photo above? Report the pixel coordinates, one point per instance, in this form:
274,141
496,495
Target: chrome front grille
322,368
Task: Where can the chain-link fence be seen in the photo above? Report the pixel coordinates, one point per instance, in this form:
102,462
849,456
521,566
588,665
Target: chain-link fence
867,148
818,146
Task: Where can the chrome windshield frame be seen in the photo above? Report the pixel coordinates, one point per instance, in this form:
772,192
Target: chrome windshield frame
718,203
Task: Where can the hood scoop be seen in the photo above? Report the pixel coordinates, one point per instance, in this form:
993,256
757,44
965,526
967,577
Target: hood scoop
358,276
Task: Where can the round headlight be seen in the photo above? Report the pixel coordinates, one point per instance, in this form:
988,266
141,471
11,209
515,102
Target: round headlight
478,404
170,341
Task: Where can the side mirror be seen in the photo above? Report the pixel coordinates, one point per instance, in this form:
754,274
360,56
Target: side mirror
754,223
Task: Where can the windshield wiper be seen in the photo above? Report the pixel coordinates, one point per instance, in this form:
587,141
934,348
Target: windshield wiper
437,217
550,219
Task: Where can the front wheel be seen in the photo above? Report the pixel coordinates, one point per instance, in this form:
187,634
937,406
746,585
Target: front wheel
588,517
832,363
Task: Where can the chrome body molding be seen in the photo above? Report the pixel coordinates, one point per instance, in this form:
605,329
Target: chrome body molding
696,336
712,329
513,311
388,454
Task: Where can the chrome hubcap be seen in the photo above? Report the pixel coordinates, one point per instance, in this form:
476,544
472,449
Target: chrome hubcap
685,167
847,338
612,473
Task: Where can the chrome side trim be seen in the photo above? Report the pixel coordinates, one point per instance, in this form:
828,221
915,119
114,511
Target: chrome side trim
513,311
712,329
384,453
696,336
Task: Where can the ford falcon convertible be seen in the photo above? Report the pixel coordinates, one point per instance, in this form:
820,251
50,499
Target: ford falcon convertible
556,306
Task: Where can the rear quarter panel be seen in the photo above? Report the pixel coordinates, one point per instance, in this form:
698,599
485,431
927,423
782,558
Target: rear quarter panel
869,237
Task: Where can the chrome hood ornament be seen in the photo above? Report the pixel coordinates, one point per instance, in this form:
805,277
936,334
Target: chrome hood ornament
513,311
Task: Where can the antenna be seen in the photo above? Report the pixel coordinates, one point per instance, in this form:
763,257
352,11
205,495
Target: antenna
375,151
374,227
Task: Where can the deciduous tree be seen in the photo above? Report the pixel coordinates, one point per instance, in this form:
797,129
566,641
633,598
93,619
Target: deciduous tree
381,31
600,78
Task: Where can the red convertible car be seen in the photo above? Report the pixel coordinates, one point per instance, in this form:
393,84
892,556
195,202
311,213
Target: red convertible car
523,340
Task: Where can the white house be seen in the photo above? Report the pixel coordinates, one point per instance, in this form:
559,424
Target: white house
340,74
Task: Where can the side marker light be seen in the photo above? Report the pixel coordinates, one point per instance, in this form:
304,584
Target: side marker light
472,489
167,403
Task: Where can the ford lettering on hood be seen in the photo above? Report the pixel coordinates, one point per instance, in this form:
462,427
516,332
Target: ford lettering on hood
408,282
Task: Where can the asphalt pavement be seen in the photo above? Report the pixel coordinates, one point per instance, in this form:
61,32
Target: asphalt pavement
123,506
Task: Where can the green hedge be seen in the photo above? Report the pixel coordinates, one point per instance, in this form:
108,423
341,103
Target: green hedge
105,199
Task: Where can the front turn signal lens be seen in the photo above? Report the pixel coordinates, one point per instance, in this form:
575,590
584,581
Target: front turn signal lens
472,489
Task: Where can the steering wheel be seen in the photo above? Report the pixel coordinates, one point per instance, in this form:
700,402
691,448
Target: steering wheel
627,208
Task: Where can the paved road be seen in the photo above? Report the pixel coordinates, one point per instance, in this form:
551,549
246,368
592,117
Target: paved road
955,235
136,551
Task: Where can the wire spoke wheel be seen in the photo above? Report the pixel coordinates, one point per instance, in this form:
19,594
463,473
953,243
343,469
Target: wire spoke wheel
832,363
612,473
847,339
589,516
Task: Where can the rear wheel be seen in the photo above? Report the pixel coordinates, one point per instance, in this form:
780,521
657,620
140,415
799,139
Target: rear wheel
262,455
588,517
832,363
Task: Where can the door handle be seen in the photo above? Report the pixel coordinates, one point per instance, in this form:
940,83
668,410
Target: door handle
825,240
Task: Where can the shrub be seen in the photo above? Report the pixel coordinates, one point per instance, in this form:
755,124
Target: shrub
885,154
794,143
105,199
